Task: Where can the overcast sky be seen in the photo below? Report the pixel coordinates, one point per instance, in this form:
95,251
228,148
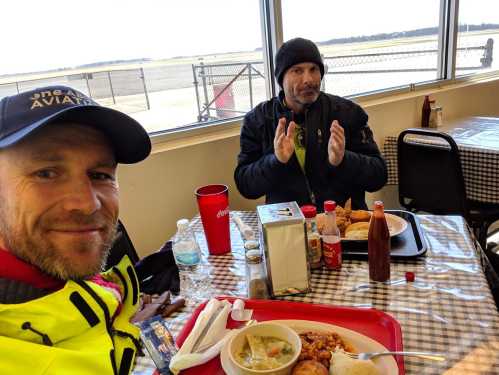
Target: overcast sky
40,35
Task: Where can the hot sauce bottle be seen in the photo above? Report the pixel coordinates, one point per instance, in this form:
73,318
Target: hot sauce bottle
378,245
425,112
331,239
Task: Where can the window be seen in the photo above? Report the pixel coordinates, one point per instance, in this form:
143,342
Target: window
478,37
368,45
177,65
167,64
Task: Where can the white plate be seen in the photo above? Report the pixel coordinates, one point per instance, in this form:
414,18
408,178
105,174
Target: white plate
396,224
386,364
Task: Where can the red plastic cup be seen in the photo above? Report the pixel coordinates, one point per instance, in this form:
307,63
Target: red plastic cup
213,203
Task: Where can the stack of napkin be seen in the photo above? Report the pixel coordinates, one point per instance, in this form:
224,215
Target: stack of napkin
209,334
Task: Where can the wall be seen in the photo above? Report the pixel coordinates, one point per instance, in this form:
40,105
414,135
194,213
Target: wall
160,190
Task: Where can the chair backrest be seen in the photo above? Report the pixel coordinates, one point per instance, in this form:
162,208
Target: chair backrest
430,175
122,245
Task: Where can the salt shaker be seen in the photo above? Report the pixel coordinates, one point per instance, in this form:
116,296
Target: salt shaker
255,276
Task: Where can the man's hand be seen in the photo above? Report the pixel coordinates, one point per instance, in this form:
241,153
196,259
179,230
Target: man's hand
336,144
284,142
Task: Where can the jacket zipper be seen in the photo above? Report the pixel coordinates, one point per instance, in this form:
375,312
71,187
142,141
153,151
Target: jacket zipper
107,317
45,338
311,194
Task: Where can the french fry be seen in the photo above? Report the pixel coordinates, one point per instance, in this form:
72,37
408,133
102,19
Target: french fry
348,206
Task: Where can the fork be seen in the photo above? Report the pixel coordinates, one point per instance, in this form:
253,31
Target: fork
426,355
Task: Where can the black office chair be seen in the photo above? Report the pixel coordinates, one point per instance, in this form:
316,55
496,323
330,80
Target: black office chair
431,180
122,245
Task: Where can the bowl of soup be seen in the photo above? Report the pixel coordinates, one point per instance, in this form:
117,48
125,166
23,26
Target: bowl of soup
265,348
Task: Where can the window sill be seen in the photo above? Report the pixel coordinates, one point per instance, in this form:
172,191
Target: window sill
421,89
194,136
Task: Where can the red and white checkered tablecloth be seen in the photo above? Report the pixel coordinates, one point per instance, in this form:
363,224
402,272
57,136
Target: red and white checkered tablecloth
448,309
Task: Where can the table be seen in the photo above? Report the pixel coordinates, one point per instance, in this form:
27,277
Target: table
448,309
478,141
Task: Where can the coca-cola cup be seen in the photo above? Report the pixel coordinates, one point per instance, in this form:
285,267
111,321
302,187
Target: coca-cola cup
213,203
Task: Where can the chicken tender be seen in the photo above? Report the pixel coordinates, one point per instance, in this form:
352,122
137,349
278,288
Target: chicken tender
359,216
309,367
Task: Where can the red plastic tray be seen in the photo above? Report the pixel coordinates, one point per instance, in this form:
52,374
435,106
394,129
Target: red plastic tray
369,322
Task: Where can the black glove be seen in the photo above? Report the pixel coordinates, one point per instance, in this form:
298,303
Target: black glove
158,272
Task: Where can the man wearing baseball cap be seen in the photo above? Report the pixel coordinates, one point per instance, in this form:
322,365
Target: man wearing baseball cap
306,145
58,213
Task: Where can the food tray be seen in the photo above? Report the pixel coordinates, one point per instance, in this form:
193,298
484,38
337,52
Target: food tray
408,244
367,321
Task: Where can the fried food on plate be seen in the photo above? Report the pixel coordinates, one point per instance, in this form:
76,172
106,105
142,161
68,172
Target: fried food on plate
309,367
360,215
357,231
348,206
345,217
317,346
342,223
341,212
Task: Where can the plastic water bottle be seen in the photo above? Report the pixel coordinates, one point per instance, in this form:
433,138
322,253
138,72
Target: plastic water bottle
185,247
194,281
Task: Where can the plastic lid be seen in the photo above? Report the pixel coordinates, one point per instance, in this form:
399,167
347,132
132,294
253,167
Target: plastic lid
254,256
329,205
309,211
410,277
182,224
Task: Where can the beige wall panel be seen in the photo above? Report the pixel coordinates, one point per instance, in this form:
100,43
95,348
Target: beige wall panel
159,191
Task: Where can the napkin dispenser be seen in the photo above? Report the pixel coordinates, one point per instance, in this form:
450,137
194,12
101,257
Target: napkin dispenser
284,242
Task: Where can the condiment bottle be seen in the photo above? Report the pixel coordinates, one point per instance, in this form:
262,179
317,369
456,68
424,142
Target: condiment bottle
331,240
314,247
435,115
255,275
425,113
378,245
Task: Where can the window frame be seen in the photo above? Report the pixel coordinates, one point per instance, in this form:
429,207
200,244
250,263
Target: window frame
271,20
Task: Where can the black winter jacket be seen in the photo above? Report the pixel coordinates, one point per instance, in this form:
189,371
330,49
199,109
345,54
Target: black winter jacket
259,173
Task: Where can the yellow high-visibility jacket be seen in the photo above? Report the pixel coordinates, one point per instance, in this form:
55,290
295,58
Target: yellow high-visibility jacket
72,331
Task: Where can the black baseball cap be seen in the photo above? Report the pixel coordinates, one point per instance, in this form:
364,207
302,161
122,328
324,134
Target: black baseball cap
28,111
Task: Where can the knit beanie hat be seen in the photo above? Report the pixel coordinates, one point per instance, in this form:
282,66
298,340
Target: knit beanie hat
296,51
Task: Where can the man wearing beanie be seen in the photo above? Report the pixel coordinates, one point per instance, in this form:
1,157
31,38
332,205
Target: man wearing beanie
306,145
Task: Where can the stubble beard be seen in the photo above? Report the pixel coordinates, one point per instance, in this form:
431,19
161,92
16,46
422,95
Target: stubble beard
305,100
50,258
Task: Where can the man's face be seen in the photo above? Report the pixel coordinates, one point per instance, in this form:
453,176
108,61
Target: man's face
301,85
59,200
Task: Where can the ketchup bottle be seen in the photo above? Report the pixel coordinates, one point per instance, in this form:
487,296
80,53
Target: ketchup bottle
425,112
378,245
331,240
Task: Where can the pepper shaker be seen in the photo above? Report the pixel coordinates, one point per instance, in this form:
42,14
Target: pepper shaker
256,282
